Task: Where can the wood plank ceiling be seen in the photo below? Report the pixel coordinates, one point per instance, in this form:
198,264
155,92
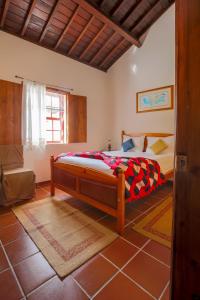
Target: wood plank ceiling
95,32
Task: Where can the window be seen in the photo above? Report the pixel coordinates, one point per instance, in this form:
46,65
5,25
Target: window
55,117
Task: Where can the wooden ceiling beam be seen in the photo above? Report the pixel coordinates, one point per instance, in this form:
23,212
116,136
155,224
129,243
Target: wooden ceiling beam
105,35
101,48
28,17
92,41
110,63
130,11
107,57
116,7
143,16
4,12
67,26
80,36
154,20
107,19
51,16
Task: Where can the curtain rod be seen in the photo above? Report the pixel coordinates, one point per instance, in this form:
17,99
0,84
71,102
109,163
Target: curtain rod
49,85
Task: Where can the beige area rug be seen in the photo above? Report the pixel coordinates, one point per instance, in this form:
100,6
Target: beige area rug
65,236
157,225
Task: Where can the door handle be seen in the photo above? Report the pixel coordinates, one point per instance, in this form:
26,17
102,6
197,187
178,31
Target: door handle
181,163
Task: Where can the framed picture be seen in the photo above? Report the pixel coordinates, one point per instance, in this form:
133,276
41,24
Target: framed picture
156,99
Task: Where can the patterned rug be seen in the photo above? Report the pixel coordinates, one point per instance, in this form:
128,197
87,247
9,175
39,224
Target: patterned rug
65,236
157,225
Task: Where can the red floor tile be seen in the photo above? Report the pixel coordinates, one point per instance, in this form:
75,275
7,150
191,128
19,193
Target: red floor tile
136,238
165,295
94,213
92,275
165,190
7,219
3,261
119,252
11,233
20,249
77,203
154,199
33,271
121,288
45,185
4,210
141,217
149,273
55,289
159,251
143,206
146,213
41,194
131,212
9,289
111,222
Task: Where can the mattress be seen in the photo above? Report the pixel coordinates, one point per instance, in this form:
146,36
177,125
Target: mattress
95,164
166,161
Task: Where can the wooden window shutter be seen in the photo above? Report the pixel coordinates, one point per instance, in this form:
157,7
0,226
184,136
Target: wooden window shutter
10,113
77,119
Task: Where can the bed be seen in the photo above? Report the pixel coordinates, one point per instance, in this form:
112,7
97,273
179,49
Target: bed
92,181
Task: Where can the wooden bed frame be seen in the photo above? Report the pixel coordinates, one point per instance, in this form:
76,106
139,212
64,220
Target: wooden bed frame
95,187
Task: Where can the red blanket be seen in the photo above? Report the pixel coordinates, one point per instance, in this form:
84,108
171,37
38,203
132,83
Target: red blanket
142,176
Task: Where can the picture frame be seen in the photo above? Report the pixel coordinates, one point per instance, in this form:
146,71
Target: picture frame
157,99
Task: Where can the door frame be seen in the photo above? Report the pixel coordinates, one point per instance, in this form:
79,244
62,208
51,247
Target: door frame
185,274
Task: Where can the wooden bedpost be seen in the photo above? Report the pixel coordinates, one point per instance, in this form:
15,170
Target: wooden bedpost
52,179
122,136
145,144
121,203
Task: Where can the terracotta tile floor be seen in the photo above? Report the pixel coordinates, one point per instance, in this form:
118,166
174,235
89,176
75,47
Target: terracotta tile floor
133,267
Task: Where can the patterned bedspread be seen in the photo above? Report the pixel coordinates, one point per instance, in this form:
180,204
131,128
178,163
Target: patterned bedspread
142,176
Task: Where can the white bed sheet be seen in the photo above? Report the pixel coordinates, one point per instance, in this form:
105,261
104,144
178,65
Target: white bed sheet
166,161
95,164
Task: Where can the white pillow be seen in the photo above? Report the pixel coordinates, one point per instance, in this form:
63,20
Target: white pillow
138,141
170,141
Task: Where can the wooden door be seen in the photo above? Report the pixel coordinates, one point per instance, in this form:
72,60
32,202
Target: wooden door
186,245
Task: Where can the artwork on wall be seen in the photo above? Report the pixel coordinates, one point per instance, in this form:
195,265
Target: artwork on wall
156,99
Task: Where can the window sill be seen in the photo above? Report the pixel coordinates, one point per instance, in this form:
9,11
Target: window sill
50,144
65,144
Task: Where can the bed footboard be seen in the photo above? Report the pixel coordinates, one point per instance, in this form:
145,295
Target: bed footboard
96,188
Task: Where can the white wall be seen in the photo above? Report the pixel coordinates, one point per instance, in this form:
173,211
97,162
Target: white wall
151,66
30,61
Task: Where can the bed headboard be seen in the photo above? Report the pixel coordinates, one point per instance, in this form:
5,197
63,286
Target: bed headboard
145,134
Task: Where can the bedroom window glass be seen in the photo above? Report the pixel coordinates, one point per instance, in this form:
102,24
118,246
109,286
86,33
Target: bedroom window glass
55,117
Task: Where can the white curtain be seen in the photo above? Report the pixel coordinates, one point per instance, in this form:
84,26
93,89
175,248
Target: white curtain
33,115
